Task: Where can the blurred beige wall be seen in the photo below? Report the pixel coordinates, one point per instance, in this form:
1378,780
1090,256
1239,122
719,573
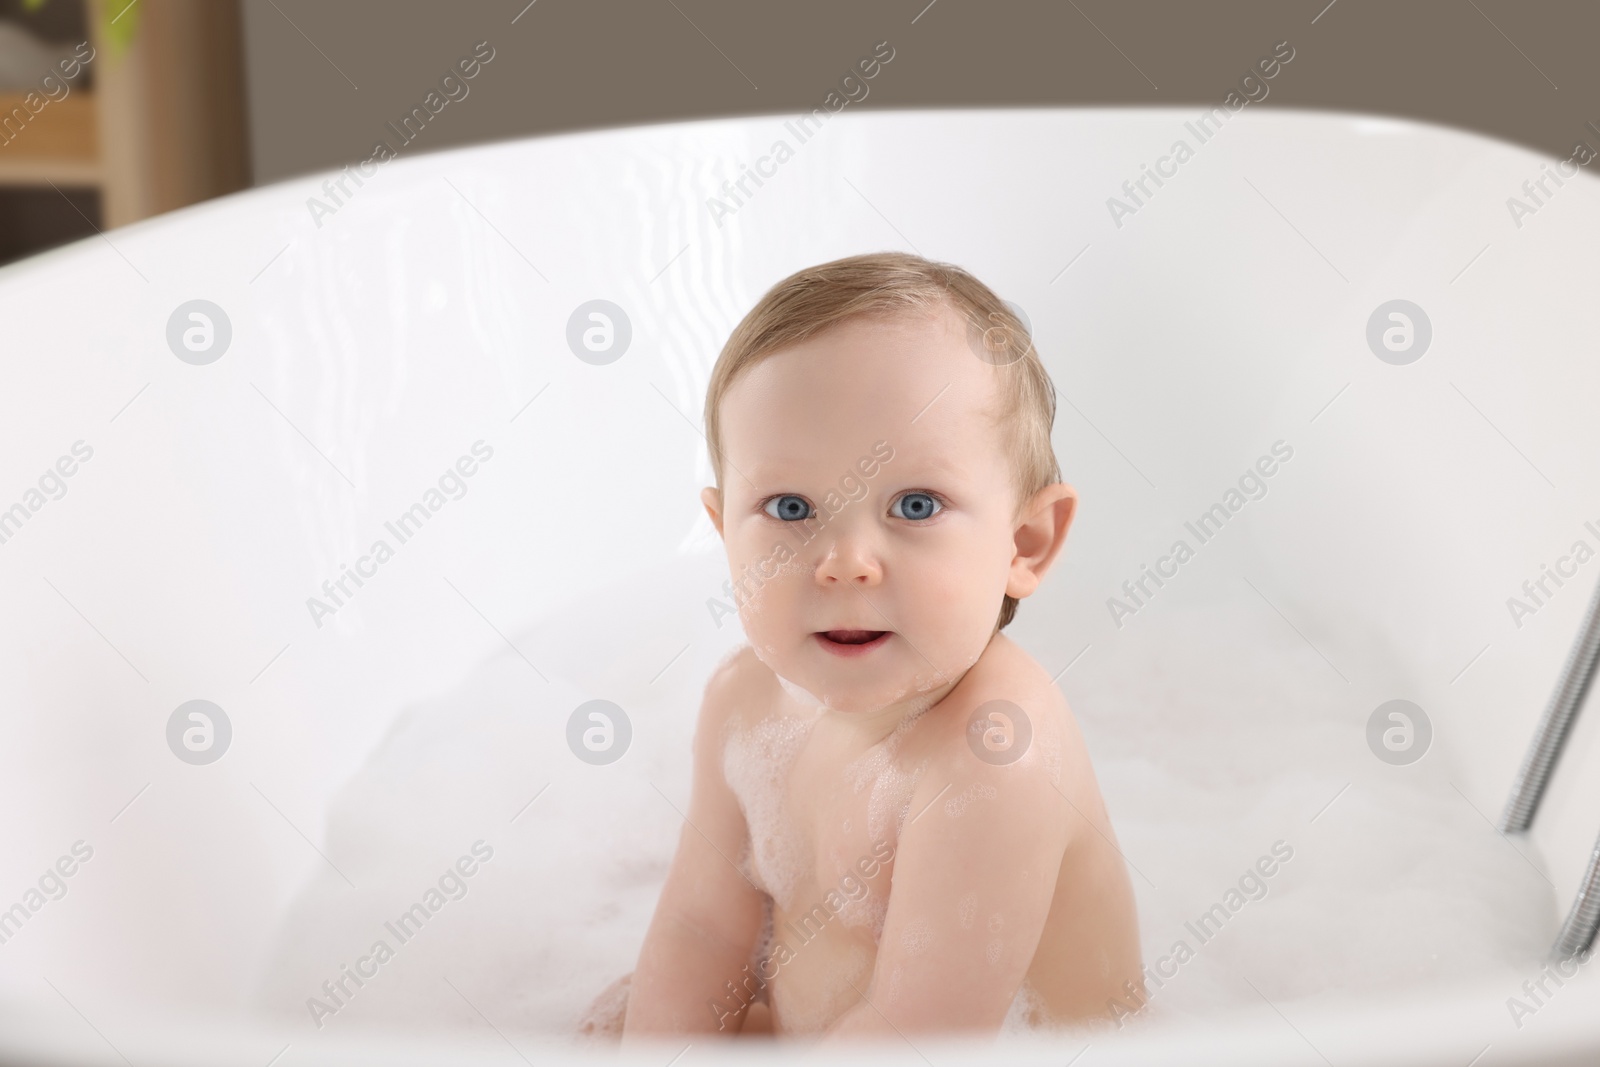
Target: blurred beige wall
324,78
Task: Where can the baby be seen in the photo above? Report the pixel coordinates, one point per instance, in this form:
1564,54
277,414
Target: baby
893,826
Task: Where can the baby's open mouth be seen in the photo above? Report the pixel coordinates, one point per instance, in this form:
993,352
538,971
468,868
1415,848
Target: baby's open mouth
851,642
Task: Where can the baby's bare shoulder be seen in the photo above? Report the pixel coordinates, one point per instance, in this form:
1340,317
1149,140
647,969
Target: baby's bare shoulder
740,688
1003,763
1008,719
1006,671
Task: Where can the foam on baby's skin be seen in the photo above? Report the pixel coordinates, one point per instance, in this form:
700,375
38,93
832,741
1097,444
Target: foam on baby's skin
870,911
801,695
892,785
891,988
917,937
967,910
756,762
768,655
993,948
918,701
888,803
602,1020
1050,749
957,805
775,846
762,950
1027,1013
933,678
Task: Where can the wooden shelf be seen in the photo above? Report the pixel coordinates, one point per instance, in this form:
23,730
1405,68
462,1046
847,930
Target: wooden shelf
164,125
60,144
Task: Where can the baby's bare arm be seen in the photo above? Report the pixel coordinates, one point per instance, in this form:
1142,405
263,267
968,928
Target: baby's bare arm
974,876
709,915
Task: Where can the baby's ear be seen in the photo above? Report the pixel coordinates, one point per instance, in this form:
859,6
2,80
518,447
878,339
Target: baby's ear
711,497
1040,536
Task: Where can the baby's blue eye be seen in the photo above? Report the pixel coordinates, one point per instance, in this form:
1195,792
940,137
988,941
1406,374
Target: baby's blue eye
915,506
789,508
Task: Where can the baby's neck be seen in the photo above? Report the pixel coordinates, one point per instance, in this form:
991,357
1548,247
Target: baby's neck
868,728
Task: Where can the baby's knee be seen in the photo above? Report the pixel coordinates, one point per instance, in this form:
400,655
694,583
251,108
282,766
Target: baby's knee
603,1019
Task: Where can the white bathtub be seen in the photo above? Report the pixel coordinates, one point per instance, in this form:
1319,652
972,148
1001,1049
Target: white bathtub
374,744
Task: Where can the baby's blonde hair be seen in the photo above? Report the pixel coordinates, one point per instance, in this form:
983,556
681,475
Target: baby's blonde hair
886,284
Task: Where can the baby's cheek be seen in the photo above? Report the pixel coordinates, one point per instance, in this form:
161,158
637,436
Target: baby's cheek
764,589
960,633
965,582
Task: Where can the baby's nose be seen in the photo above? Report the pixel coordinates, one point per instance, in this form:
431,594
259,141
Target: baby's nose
850,560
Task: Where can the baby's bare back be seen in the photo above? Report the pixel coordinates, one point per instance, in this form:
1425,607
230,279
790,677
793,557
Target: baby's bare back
961,856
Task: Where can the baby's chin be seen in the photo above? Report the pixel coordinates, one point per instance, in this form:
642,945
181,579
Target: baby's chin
850,700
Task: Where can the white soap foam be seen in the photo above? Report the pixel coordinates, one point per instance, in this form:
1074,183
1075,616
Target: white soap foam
1214,730
1049,745
891,784
917,937
800,694
756,764
870,911
1026,1016
957,804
